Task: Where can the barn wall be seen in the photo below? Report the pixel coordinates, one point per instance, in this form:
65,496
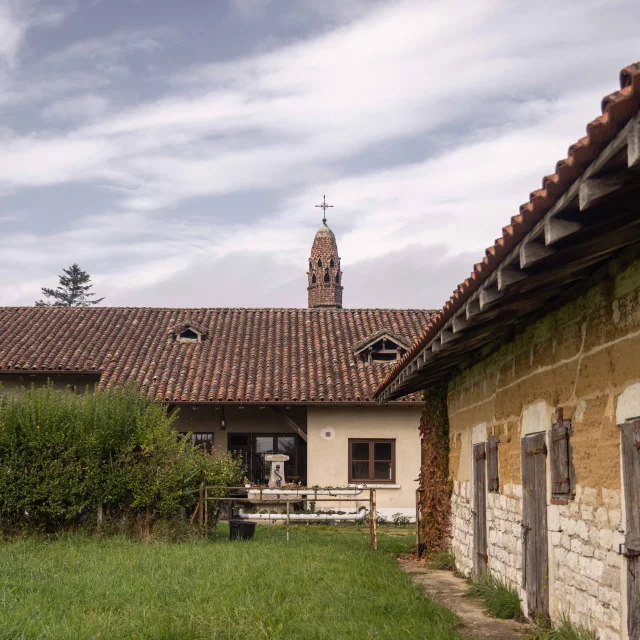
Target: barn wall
585,359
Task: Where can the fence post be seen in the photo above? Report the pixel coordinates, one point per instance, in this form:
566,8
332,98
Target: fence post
100,516
418,550
206,508
201,506
374,518
288,503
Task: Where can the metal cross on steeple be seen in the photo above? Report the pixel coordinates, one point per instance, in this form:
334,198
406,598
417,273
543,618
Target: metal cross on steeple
324,206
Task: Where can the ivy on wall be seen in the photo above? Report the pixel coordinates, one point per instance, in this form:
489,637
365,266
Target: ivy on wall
435,483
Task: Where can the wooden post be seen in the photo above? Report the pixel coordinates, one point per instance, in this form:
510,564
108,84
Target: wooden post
418,550
201,506
288,504
373,519
100,516
206,508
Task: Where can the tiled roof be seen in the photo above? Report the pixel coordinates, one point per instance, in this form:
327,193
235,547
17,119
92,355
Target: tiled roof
249,355
617,109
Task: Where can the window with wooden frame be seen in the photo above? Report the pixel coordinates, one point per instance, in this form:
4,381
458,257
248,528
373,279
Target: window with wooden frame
372,461
493,479
203,439
562,473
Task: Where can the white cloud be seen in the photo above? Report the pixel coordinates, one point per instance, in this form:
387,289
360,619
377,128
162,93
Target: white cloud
76,108
480,104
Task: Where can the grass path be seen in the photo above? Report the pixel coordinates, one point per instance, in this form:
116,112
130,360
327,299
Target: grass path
325,583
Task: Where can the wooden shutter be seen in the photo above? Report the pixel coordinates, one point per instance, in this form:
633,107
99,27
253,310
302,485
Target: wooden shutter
630,433
493,480
561,463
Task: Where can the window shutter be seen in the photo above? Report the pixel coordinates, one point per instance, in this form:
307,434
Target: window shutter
561,458
493,479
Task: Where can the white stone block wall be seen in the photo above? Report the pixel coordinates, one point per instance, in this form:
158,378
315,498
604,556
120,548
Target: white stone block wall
504,514
462,527
585,568
584,536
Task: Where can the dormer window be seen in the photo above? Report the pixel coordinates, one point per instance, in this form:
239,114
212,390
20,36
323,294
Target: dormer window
188,335
320,262
382,346
332,263
314,279
188,332
310,266
327,277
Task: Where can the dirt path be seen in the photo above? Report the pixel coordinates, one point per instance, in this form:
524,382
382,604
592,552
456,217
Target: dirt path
449,590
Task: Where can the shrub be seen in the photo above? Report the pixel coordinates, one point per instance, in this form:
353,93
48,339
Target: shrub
63,454
400,519
499,600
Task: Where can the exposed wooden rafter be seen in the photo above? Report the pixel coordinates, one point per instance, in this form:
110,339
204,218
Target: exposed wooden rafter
593,190
555,256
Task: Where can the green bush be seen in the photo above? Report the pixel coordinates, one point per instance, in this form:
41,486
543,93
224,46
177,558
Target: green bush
499,600
63,454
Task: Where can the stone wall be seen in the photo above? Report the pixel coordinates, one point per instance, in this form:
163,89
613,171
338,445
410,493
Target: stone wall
585,359
504,514
462,527
584,558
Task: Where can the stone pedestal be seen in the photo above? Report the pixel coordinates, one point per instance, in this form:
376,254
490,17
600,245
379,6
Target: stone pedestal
276,477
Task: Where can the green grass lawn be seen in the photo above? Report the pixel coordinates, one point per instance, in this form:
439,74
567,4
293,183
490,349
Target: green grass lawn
324,583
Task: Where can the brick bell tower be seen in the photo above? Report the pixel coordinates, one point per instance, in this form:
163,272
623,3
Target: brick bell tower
324,275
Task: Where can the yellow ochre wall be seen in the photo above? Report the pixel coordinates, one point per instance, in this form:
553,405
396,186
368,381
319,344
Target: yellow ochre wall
585,359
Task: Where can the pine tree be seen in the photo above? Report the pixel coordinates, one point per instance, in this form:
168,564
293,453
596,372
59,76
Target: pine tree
73,290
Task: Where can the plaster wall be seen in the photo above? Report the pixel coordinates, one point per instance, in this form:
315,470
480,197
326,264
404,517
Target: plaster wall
328,459
584,358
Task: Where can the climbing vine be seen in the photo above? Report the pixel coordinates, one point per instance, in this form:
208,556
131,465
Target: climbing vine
435,483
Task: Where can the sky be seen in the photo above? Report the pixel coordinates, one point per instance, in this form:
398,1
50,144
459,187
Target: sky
176,150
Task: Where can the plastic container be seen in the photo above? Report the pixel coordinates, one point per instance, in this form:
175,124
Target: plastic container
241,530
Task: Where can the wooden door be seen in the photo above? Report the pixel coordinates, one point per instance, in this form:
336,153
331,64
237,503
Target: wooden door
630,434
479,509
535,571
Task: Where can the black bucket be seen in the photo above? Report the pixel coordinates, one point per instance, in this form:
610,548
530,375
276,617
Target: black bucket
241,530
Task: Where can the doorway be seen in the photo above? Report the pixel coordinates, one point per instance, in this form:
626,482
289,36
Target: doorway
253,447
480,555
630,435
535,569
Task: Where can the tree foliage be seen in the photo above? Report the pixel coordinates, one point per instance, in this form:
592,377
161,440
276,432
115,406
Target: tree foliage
63,454
73,290
435,482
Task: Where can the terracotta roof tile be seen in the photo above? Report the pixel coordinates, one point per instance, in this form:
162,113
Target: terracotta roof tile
248,355
617,109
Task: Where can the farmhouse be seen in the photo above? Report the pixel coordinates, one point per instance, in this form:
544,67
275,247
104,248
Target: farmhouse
540,353
253,381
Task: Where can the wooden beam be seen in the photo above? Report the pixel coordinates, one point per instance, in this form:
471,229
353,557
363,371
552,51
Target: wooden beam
633,145
532,252
290,422
446,335
436,345
508,276
488,296
473,309
460,323
591,191
556,229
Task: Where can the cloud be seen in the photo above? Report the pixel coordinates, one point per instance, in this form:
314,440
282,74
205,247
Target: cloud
76,108
426,124
107,50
